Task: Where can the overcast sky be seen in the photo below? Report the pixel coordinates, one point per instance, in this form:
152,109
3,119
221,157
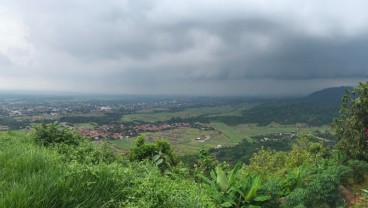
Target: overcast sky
189,47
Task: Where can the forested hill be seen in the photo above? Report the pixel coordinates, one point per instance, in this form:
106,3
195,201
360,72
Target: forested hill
318,108
328,95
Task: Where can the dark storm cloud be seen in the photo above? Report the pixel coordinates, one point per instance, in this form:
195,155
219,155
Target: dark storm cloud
164,46
302,58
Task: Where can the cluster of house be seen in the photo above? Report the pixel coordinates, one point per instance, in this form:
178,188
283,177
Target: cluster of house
4,128
107,132
98,134
159,127
278,136
204,127
34,111
121,131
202,138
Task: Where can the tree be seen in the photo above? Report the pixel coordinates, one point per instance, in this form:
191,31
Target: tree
351,127
205,163
54,133
160,152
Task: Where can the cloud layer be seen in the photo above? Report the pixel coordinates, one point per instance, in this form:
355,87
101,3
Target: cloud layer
207,47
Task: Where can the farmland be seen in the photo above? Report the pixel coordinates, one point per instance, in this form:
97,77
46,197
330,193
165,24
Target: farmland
157,115
189,124
185,140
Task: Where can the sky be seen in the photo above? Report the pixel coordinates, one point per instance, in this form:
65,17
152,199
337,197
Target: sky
183,47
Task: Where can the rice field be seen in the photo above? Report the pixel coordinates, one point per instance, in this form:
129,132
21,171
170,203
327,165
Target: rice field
184,140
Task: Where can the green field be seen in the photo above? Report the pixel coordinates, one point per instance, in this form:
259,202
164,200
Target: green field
123,144
85,125
151,115
184,139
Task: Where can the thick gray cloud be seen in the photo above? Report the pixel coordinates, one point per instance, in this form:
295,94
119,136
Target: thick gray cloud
4,61
202,47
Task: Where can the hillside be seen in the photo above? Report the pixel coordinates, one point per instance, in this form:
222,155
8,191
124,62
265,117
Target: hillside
54,168
328,95
85,175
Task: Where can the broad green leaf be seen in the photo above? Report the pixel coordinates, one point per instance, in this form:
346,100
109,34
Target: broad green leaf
262,198
237,190
226,204
255,185
156,157
158,162
234,171
205,178
253,206
221,179
213,175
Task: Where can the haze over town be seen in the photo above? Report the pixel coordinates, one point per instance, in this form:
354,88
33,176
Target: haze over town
217,47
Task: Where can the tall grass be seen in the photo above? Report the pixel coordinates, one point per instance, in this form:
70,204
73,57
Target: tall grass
36,176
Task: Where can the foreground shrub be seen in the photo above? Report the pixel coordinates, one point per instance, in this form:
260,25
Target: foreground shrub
205,163
87,152
54,133
359,168
228,190
160,152
320,186
151,189
351,127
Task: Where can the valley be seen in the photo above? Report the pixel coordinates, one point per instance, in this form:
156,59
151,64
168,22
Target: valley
188,123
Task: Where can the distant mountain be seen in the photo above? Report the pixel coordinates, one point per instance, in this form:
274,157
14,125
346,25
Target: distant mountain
328,95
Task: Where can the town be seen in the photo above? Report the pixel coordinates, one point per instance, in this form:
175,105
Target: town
102,116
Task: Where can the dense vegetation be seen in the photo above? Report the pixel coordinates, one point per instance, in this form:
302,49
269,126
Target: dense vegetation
282,112
313,114
55,167
245,150
13,123
276,141
100,120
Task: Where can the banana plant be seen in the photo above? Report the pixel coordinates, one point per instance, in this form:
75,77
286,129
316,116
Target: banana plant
294,179
221,185
248,189
230,191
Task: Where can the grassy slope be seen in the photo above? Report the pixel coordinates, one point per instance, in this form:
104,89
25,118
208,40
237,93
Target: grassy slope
34,176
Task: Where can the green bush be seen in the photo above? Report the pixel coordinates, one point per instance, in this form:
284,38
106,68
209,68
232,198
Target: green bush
205,163
54,133
320,186
152,189
351,126
228,190
359,168
160,152
87,152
